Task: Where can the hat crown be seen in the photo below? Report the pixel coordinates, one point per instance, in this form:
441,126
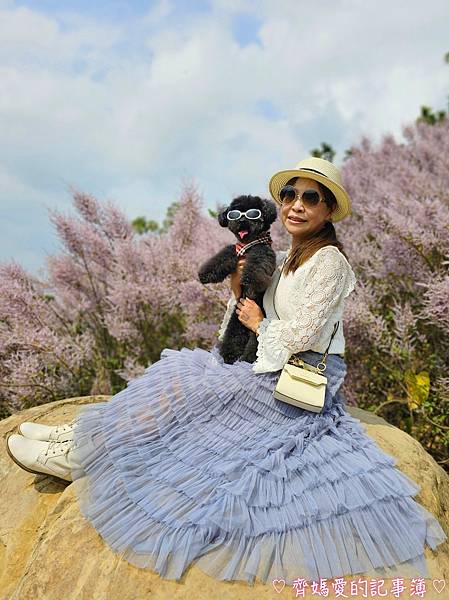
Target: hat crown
320,165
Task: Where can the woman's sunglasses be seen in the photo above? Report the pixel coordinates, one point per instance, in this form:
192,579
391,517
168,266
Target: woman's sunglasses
252,213
309,197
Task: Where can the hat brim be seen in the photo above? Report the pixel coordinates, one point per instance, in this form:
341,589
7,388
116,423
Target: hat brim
278,181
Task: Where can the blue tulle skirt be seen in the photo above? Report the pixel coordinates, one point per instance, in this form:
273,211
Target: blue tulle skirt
196,462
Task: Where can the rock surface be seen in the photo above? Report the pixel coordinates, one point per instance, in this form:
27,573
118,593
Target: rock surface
48,551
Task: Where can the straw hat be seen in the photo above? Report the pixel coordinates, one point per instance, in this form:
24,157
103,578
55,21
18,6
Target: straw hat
320,170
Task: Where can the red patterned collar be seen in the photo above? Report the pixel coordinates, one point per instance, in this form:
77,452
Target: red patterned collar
263,238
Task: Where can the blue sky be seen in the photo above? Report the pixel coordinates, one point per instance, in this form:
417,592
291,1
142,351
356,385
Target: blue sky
128,100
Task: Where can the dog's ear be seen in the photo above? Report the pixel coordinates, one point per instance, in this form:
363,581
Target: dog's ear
222,218
269,212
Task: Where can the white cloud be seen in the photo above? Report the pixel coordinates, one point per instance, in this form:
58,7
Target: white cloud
127,110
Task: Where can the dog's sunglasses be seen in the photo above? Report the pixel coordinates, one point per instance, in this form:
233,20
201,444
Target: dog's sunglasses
309,197
252,213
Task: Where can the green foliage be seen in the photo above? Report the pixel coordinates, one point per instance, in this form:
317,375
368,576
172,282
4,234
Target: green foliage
431,117
427,113
170,216
326,151
348,153
142,225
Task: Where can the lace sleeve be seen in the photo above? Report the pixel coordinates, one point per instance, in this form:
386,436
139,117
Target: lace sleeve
327,278
229,310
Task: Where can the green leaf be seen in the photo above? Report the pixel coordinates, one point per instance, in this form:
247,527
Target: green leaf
418,387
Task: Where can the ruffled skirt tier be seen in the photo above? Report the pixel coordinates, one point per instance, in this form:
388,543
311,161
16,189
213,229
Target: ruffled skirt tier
196,462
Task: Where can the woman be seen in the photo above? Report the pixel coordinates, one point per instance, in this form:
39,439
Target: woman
195,461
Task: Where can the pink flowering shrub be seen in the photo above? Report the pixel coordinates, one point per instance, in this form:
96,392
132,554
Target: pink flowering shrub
112,300
45,354
397,319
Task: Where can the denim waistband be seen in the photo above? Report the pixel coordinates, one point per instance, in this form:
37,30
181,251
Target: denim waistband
315,357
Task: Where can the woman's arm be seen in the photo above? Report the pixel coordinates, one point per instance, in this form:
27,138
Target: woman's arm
278,339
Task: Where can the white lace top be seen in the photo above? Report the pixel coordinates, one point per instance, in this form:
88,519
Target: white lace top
309,302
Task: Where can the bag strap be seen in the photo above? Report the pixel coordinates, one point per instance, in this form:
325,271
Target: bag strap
321,366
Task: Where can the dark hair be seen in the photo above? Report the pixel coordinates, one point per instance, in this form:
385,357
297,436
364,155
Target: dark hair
326,236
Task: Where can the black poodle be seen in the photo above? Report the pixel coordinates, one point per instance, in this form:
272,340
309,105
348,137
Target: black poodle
249,218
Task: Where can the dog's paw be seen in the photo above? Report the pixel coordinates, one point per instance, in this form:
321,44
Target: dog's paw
204,277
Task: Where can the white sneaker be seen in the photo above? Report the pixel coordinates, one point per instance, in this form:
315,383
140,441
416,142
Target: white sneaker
47,433
35,456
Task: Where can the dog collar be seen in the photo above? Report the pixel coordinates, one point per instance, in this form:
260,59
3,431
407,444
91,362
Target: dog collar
242,247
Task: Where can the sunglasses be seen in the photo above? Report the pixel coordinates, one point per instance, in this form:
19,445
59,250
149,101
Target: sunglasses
309,197
252,213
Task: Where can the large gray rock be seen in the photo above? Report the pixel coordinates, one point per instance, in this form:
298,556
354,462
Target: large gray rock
48,551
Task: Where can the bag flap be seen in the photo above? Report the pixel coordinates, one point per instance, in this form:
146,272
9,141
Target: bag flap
304,375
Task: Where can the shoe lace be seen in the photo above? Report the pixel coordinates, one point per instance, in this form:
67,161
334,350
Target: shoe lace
65,427
55,445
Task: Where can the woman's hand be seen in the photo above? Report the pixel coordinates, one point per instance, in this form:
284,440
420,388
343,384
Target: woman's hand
235,278
249,313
